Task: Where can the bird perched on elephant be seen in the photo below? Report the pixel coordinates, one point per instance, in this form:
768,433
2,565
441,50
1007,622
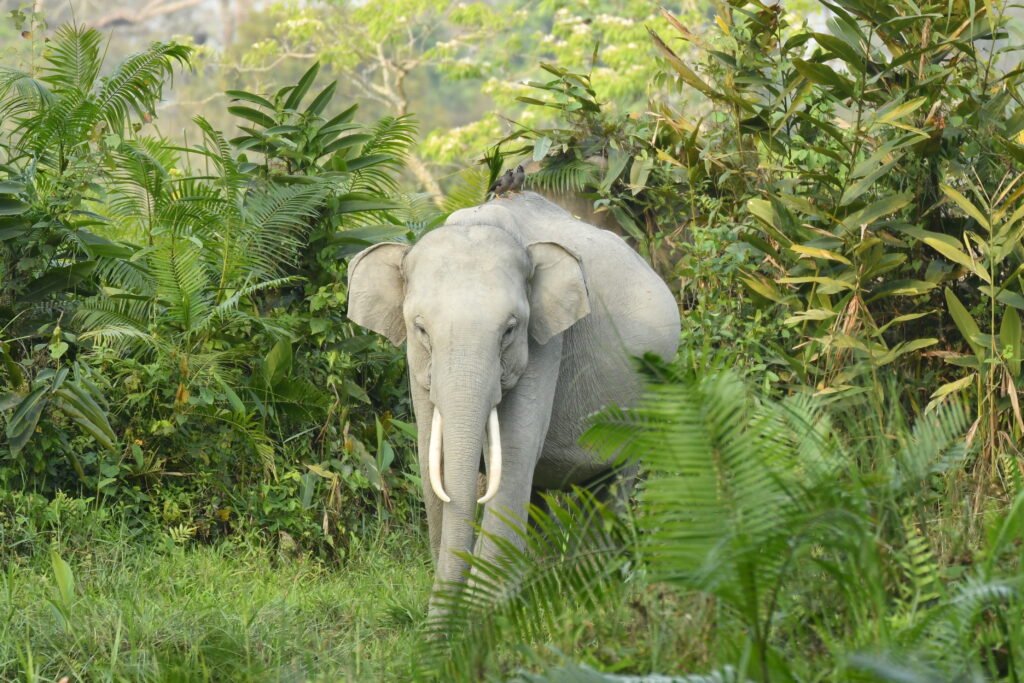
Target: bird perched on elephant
520,321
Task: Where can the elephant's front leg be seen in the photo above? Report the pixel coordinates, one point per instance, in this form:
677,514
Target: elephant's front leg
524,416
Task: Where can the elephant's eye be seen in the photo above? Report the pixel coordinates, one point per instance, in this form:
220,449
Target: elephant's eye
510,328
421,332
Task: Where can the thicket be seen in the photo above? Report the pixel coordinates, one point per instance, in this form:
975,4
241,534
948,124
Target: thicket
841,211
842,204
173,335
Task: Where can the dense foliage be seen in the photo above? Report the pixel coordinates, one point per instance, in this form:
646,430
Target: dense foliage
833,483
182,306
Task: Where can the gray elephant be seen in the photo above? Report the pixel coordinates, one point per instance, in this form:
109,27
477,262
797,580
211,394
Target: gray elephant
520,321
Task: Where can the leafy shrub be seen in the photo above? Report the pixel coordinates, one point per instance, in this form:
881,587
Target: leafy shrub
183,307
821,533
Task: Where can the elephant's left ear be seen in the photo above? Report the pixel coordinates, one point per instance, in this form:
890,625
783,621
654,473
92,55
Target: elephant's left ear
558,290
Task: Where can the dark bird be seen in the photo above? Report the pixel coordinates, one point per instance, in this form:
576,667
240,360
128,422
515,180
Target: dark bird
517,179
502,184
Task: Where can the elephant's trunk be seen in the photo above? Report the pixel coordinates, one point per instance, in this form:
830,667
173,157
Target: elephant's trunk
464,395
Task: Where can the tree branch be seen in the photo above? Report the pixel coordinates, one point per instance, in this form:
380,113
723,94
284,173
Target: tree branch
156,8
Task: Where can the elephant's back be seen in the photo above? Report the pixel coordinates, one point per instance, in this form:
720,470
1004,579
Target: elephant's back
629,301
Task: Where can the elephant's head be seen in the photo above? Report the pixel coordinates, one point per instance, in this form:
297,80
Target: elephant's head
467,300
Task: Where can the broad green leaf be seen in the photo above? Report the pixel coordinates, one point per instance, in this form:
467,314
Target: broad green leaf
763,288
250,114
22,424
367,161
12,187
853,59
822,74
875,210
810,314
688,75
249,97
965,323
64,578
12,207
903,349
902,319
320,102
895,113
639,172
302,87
617,160
279,361
345,142
80,407
541,147
862,185
832,284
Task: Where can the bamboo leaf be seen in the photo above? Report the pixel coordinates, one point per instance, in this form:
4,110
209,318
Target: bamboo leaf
966,206
1010,338
965,323
820,253
948,247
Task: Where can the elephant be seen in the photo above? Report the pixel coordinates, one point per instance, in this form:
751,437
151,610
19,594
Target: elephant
520,321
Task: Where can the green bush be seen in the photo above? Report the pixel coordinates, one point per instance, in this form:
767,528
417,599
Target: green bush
183,307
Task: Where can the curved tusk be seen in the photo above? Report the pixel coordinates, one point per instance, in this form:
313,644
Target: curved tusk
493,453
434,458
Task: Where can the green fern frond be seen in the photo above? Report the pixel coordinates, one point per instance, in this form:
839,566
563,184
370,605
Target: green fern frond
575,549
565,176
383,155
72,59
280,217
137,83
121,323
920,568
182,285
469,189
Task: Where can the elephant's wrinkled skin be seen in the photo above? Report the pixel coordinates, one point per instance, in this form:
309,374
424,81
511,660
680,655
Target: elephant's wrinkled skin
513,305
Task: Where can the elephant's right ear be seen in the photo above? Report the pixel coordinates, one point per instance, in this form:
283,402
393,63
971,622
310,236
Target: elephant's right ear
376,290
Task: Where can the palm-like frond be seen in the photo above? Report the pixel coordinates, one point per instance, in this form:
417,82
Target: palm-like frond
383,155
469,189
21,94
57,113
138,83
576,549
720,509
182,285
278,218
72,59
565,176
121,322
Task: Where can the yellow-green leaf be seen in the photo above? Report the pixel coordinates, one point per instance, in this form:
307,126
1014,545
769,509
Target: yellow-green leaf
899,111
763,288
810,314
965,323
1009,336
820,253
948,247
966,206
949,388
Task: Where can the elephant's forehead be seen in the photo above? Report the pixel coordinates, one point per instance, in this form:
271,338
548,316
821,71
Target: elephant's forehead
454,253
